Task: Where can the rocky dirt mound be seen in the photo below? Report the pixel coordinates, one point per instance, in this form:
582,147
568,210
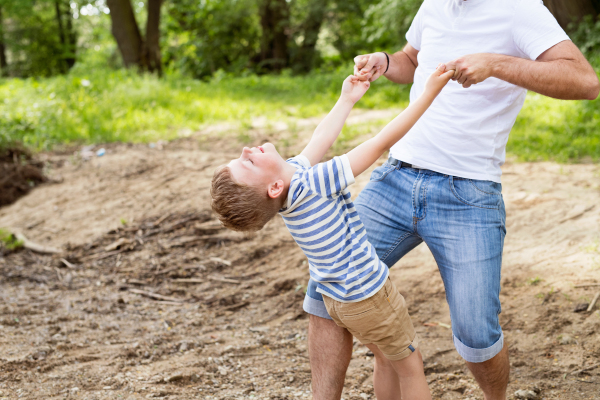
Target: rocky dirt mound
19,172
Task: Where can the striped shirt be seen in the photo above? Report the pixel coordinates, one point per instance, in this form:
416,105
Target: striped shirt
323,221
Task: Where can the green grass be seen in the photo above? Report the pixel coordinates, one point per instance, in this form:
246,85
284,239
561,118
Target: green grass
97,105
9,241
106,106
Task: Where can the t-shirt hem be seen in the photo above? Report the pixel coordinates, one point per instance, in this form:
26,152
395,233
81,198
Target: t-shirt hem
448,171
348,175
548,44
343,300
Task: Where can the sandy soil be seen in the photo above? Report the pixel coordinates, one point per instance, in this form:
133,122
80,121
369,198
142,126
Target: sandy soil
156,300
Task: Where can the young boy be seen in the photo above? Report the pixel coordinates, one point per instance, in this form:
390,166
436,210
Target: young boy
315,204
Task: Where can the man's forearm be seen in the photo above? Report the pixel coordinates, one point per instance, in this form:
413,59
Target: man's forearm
402,68
565,79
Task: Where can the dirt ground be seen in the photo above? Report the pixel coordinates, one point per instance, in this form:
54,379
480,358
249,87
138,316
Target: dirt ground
151,298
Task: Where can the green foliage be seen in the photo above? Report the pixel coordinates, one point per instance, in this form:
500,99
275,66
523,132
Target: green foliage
202,37
118,105
586,34
387,21
9,241
31,33
550,129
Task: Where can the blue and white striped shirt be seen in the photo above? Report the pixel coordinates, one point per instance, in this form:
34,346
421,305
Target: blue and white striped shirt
323,221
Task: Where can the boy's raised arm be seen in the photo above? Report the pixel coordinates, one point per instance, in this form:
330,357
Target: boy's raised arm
364,155
331,126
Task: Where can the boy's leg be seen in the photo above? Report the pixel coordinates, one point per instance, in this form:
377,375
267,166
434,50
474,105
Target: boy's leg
385,378
412,377
385,208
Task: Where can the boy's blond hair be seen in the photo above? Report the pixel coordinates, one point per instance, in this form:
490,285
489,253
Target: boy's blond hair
241,207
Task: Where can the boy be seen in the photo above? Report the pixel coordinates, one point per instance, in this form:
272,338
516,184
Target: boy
315,204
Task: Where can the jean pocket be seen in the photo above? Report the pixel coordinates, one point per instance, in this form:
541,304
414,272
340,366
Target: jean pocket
477,193
380,173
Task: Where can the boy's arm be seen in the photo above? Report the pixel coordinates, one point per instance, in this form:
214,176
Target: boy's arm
364,155
329,129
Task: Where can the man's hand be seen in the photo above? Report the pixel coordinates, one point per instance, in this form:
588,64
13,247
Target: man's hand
369,67
437,80
353,89
472,69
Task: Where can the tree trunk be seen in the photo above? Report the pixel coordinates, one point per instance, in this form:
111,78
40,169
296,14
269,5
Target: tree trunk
274,18
312,27
3,61
152,45
567,11
126,32
61,35
71,37
67,36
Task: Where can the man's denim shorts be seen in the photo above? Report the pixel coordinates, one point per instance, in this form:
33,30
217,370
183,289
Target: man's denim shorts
462,221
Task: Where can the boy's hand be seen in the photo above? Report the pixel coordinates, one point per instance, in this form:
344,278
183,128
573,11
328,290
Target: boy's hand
438,79
353,89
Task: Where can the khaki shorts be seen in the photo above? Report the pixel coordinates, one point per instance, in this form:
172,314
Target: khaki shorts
382,320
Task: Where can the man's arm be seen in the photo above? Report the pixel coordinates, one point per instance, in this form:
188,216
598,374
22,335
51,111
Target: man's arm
561,72
401,69
330,127
364,155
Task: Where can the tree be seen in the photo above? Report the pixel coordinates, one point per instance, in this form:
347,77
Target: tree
66,34
137,52
37,37
3,61
274,20
310,29
567,11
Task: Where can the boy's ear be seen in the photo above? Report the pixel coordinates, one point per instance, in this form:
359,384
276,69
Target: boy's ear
275,189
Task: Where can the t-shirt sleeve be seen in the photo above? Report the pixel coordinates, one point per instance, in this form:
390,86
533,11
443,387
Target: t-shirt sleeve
330,178
535,29
300,162
414,33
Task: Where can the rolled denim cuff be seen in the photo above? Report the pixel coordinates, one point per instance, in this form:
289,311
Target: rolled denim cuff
315,307
478,355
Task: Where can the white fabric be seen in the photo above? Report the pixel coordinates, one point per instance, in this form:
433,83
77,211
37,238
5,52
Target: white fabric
464,132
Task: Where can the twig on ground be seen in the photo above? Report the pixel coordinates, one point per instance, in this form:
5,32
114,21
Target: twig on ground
587,285
593,303
225,280
38,248
155,296
188,280
68,264
100,256
220,260
591,367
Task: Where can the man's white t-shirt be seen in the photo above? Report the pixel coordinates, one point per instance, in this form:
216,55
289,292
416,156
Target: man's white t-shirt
464,132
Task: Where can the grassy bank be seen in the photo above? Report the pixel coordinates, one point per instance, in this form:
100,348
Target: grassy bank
119,105
109,105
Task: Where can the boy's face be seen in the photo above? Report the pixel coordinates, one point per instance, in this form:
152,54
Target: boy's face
257,166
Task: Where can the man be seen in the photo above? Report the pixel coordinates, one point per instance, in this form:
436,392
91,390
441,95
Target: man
442,182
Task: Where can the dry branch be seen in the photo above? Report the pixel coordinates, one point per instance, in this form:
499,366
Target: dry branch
591,367
593,303
37,248
226,280
155,296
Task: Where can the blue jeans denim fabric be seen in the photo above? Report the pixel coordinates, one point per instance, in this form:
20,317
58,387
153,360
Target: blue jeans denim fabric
462,221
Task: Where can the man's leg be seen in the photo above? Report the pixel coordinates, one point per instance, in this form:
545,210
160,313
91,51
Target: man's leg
463,223
330,350
492,375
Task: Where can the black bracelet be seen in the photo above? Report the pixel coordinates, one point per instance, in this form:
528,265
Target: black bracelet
388,60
